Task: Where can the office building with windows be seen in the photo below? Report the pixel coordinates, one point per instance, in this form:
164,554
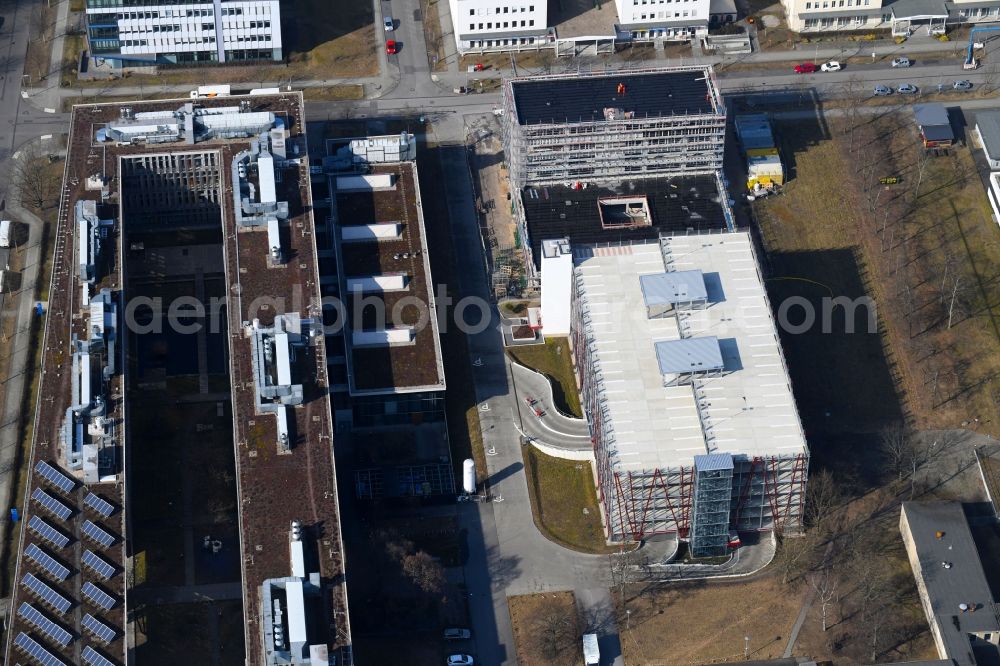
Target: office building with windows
135,33
499,24
903,17
664,19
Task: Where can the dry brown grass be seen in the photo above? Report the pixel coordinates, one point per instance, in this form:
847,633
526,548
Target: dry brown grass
432,34
530,614
914,244
700,623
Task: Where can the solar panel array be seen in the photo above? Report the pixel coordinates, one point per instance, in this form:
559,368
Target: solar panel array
47,532
44,624
98,596
46,561
46,593
100,566
92,657
98,628
36,651
51,504
99,504
96,533
55,477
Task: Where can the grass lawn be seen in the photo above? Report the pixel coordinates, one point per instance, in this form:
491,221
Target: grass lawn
546,629
347,91
700,623
553,360
564,501
922,249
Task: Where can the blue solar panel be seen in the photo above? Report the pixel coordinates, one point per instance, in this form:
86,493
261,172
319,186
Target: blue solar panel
92,657
46,593
36,651
46,561
96,533
44,624
47,532
100,566
102,631
51,504
98,596
55,477
99,504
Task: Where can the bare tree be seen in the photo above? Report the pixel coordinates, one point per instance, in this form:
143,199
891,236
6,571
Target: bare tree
624,569
897,447
424,571
823,497
555,632
825,585
795,556
991,75
951,303
34,180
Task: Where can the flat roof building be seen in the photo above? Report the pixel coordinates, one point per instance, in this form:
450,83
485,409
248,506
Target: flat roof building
952,585
158,186
685,388
559,128
988,133
620,211
130,33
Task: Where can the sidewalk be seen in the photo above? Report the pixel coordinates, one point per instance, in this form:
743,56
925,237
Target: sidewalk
19,349
453,77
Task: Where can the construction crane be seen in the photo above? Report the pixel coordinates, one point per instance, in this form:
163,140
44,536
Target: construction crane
970,60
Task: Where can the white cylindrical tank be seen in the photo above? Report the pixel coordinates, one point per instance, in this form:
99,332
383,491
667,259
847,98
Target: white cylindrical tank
469,476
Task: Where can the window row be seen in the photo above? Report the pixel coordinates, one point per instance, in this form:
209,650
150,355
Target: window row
485,11
506,24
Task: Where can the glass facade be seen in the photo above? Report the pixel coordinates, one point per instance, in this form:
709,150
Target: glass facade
713,490
401,409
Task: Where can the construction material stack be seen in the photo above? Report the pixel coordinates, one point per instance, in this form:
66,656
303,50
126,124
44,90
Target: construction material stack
765,173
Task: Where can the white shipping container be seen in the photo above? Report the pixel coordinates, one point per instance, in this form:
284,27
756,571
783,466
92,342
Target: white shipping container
6,229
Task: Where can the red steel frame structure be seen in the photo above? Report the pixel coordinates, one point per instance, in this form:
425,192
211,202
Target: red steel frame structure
768,491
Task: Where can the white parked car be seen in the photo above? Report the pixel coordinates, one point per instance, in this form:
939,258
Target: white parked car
901,62
882,91
832,66
388,24
460,660
907,89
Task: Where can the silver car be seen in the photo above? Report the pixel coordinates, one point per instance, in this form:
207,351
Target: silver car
962,85
882,91
907,89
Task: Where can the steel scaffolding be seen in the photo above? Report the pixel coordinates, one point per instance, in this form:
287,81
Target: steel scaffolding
618,144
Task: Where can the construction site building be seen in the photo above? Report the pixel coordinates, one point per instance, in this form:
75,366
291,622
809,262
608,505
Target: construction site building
684,384
559,128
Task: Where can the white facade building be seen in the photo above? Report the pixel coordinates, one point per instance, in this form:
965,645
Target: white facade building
664,19
903,17
136,32
499,25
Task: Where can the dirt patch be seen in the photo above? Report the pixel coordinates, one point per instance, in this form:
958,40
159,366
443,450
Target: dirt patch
546,629
432,35
698,623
